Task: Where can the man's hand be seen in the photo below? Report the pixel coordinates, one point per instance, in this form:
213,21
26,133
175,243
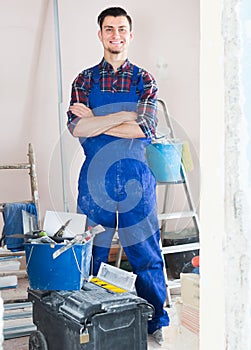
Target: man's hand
126,130
126,116
81,111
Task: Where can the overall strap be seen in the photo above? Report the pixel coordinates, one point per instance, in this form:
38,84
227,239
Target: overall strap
135,75
137,81
96,75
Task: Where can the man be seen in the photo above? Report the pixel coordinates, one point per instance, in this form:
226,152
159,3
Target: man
113,113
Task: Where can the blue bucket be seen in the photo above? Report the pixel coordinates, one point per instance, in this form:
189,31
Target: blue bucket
66,272
164,159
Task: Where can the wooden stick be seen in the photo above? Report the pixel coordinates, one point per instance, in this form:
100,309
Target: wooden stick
6,253
18,273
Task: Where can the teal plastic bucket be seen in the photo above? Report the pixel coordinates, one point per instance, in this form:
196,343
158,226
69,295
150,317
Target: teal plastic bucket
63,273
164,159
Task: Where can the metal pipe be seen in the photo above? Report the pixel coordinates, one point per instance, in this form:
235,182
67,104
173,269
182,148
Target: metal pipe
14,306
18,331
60,102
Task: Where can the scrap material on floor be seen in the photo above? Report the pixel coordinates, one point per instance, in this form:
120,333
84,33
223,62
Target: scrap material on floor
18,320
17,316
190,296
182,334
176,336
12,267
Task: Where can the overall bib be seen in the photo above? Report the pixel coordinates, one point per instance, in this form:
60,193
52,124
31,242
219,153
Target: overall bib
117,189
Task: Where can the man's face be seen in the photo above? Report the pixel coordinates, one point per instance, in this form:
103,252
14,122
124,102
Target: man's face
115,34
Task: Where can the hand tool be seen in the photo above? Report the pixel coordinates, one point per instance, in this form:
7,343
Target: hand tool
31,234
61,230
82,238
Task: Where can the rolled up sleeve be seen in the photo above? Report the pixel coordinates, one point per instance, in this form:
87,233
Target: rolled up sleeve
147,106
78,95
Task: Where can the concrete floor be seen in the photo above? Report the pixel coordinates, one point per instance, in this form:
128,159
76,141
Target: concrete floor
176,336
174,340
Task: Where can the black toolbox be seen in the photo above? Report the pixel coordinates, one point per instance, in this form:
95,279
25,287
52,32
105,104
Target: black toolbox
93,318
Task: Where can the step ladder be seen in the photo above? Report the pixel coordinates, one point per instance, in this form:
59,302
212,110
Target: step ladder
165,216
30,166
20,312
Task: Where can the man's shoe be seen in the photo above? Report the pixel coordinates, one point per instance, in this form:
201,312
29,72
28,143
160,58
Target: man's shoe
158,336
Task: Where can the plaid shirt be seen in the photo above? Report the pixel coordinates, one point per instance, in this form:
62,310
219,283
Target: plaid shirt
119,81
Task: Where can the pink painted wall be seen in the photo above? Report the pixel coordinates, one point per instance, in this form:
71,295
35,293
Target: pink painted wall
166,43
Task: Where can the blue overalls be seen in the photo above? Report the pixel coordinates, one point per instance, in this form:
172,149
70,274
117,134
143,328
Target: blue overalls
115,184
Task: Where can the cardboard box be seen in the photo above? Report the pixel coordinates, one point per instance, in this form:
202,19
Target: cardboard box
190,318
113,254
190,289
190,295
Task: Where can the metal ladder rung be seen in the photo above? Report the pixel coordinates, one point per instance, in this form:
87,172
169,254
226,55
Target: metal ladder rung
20,166
180,248
176,215
172,284
178,182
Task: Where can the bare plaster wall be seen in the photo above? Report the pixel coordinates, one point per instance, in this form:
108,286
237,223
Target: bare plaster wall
225,170
236,245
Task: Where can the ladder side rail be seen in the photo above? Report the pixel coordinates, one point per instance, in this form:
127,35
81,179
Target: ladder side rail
164,208
170,125
189,198
167,117
191,205
34,182
196,224
183,172
168,293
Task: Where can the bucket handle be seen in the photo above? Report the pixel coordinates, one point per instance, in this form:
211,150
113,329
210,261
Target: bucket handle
74,254
31,251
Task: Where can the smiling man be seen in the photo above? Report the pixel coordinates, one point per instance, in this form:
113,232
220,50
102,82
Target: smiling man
113,113
115,35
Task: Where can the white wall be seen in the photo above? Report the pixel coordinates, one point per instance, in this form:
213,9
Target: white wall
167,34
225,175
212,177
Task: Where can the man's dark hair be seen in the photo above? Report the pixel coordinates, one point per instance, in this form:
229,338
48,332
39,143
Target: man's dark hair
114,12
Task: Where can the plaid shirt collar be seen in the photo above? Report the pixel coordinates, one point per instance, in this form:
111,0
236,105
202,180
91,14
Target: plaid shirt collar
106,66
